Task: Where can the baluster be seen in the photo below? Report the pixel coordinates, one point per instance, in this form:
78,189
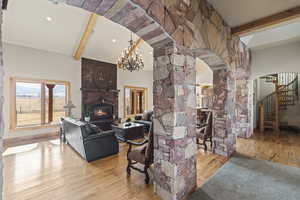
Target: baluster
297,89
268,107
285,77
279,78
271,107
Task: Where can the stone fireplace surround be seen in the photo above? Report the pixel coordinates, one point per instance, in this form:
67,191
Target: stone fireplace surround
99,87
179,31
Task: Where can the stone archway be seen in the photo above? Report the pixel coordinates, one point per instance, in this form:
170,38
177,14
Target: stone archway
223,102
232,98
173,28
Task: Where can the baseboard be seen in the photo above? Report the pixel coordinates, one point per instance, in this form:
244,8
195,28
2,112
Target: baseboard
11,142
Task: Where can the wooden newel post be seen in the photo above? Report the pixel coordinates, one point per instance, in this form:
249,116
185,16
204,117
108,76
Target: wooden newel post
50,103
261,117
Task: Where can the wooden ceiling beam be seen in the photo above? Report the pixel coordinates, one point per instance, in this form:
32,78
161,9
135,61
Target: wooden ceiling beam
86,35
136,45
267,22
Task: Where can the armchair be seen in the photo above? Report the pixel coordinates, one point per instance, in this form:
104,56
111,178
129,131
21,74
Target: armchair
145,119
143,154
204,132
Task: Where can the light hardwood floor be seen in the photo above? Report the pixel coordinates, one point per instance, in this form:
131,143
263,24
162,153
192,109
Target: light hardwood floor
53,171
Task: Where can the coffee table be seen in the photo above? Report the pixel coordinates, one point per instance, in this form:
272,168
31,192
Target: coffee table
133,132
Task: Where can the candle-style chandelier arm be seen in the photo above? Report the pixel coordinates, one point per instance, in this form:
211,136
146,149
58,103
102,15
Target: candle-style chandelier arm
130,59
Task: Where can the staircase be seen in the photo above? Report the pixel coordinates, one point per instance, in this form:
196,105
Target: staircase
285,95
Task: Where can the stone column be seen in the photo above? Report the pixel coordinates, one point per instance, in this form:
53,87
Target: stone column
224,138
244,91
244,108
174,122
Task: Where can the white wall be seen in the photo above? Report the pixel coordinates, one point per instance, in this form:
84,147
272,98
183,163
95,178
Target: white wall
204,73
31,63
265,88
283,58
136,79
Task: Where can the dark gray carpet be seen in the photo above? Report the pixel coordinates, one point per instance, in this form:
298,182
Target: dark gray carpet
243,178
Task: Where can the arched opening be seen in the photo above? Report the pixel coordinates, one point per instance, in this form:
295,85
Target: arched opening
224,137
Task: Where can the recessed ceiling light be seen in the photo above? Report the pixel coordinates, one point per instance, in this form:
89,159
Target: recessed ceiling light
49,19
150,52
114,40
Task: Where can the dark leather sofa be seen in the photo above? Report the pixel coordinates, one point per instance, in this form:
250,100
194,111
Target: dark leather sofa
145,119
89,141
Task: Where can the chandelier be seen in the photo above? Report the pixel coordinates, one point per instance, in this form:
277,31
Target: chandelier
131,60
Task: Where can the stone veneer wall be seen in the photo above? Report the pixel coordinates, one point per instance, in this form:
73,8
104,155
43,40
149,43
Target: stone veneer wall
174,122
244,96
194,24
176,29
224,138
98,84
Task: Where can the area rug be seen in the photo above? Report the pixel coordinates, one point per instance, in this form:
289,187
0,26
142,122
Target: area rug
243,178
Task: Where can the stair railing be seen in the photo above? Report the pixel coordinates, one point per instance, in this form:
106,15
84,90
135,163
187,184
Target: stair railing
286,94
268,110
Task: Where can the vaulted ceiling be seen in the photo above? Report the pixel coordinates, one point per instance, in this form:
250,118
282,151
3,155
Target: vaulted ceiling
26,24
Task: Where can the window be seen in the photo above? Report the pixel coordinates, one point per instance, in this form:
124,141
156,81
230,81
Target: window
37,103
135,100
